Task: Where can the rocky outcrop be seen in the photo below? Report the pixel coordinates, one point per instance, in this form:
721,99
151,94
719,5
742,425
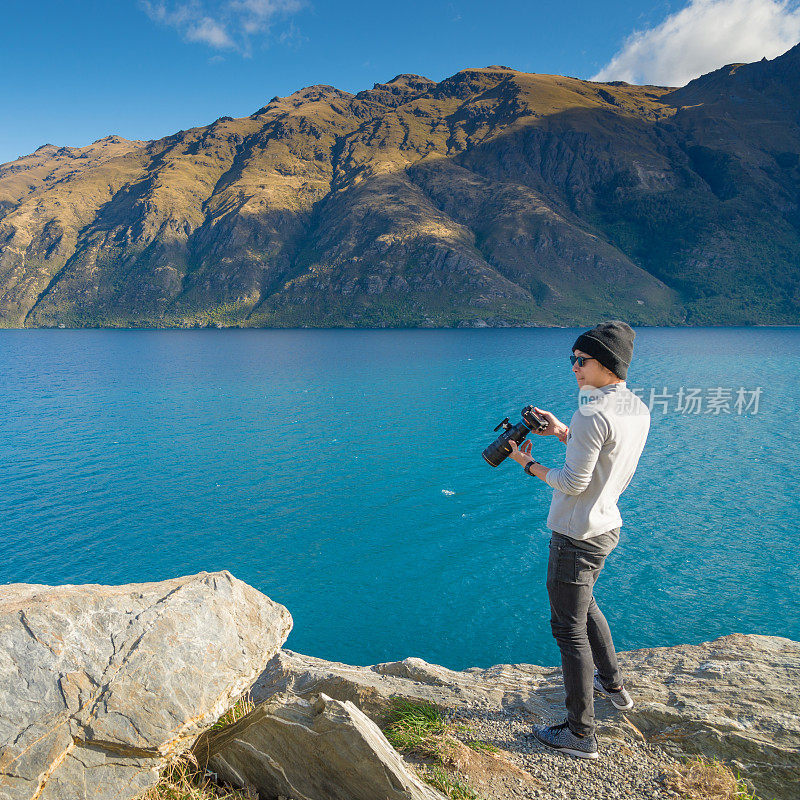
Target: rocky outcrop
734,698
315,749
99,684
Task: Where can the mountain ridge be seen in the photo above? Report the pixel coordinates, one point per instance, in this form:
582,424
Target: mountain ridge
492,197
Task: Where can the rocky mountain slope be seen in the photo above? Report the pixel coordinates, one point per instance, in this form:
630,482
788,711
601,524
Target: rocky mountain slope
492,197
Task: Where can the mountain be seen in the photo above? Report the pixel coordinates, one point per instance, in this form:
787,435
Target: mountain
493,197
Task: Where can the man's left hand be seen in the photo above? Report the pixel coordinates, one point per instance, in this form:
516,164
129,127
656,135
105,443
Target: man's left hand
522,454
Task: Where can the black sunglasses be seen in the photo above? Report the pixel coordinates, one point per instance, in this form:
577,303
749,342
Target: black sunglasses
580,359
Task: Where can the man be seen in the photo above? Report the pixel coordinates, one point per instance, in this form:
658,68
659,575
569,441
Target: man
604,440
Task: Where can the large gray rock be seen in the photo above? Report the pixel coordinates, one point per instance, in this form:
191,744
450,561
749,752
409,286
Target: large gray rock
99,684
735,698
315,749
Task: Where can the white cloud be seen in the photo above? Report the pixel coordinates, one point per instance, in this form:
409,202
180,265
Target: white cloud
704,36
209,31
221,24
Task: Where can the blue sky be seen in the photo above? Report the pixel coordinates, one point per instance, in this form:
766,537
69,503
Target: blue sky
74,72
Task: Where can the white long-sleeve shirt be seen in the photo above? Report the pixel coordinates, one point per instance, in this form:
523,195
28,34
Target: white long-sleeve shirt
603,449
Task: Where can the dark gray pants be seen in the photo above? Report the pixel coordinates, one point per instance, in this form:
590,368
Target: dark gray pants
578,625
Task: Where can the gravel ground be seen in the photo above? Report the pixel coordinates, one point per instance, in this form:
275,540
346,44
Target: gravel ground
629,770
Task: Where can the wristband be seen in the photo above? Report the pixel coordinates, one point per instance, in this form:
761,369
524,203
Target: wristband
527,467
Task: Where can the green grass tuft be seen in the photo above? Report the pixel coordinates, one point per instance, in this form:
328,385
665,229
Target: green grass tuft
419,727
416,727
482,747
451,786
243,706
183,779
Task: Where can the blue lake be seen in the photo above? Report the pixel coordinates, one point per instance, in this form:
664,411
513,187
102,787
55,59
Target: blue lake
340,472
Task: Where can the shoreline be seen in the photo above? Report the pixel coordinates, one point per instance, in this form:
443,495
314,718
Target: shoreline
431,328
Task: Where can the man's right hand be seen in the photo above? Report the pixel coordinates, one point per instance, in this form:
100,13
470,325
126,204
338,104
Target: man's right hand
554,425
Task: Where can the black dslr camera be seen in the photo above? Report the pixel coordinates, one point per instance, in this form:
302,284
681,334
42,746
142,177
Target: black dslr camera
499,449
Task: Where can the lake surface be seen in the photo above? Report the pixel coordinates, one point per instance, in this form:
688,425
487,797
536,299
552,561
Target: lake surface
340,472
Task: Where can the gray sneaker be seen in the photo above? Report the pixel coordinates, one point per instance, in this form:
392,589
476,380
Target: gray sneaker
561,738
620,699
